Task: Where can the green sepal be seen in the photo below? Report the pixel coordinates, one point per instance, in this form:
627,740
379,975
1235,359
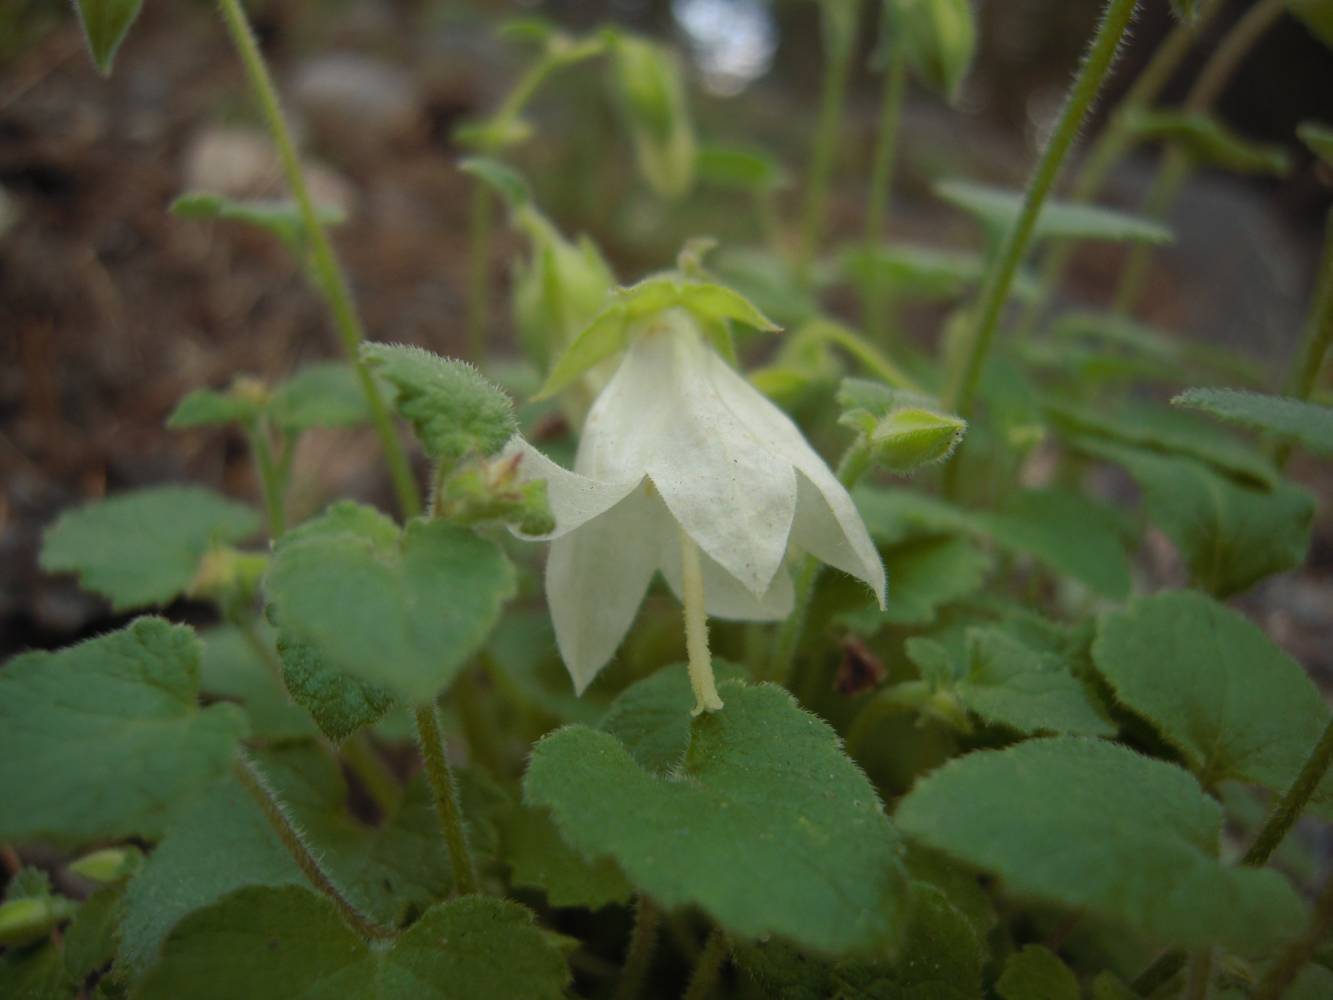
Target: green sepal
109,865
105,24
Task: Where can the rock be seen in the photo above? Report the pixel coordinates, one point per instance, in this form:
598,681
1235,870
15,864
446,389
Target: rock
355,105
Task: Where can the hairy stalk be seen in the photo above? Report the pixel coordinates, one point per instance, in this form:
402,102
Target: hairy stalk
838,45
1176,165
442,786
642,944
329,277
881,181
276,813
1289,965
1113,143
1317,338
708,967
696,628
270,476
855,461
1004,265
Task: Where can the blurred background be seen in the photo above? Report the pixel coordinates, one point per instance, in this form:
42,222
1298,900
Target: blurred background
111,309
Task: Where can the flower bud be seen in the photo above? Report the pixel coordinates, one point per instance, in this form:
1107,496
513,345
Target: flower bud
23,921
111,864
903,431
649,86
938,37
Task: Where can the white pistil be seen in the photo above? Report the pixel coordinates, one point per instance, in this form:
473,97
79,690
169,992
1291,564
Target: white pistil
696,628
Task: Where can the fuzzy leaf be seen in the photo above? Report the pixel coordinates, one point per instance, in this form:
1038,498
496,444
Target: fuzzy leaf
1093,826
279,943
233,669
1036,973
281,218
105,25
1235,706
539,859
1307,423
324,394
769,828
455,411
914,272
925,575
740,168
105,739
998,210
1209,141
209,408
143,548
1163,354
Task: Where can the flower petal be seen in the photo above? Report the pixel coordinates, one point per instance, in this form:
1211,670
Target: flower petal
829,527
574,499
595,581
665,414
726,597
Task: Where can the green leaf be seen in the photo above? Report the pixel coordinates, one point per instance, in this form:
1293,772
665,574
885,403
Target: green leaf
1307,423
1036,973
405,616
1218,689
925,575
209,408
90,939
939,38
1166,354
1316,15
144,548
454,409
281,218
339,702
741,168
1319,137
1010,684
1208,141
539,859
239,669
1230,535
324,394
768,827
920,273
105,739
35,974
998,210
280,943
105,25
1093,826
500,177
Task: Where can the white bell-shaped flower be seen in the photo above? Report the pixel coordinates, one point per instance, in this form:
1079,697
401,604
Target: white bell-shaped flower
680,451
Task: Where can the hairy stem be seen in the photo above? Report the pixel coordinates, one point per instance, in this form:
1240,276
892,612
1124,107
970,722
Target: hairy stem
642,944
1317,338
696,628
441,778
708,967
270,477
329,276
1004,265
881,181
276,813
1298,954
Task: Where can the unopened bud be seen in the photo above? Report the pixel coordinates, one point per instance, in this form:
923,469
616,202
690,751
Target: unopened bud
111,864
23,921
649,84
938,37
910,438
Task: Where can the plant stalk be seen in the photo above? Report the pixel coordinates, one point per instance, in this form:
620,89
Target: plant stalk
270,477
1004,265
881,181
642,944
479,262
1317,338
1298,954
329,277
441,778
276,813
709,966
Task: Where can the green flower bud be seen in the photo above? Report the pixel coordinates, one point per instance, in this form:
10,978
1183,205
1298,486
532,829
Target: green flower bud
649,85
23,921
489,491
111,864
938,37
903,431
229,578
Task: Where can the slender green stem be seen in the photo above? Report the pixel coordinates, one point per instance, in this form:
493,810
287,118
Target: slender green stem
855,461
328,273
359,754
1289,807
1318,335
708,967
696,628
1289,965
1200,975
642,944
1113,142
1000,274
479,267
294,840
881,181
441,779
839,43
270,477
1207,88
870,357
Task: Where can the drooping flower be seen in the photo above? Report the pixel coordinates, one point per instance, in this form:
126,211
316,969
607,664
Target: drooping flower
684,468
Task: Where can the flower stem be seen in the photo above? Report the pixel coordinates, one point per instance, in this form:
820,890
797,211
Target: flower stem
881,180
839,41
708,967
479,261
642,943
270,476
276,813
1004,265
359,755
329,277
441,779
1317,338
696,628
1285,970
1207,87
871,358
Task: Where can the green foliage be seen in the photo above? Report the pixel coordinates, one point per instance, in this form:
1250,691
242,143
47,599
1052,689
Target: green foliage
913,272
1316,15
143,548
1319,138
938,38
281,218
925,574
242,668
1208,141
774,832
1036,973
997,210
500,177
209,408
402,613
902,432
105,25
1308,424
113,727
539,859
1090,825
740,168
649,86
493,950
1230,701
324,394
455,411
